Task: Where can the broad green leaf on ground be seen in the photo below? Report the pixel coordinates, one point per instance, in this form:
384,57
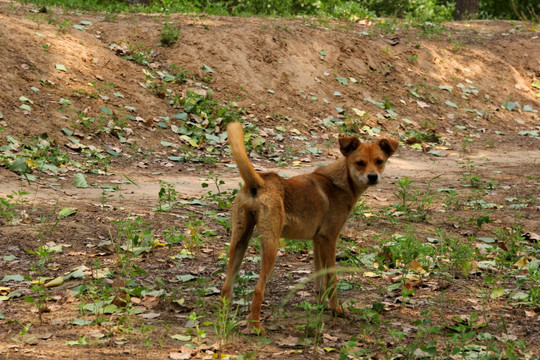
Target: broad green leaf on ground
76,274
342,81
257,141
25,99
452,104
445,87
55,282
60,67
497,292
80,322
112,152
528,108
185,278
66,212
510,105
79,27
180,337
182,116
15,278
86,22
19,165
9,257
536,84
207,69
189,140
81,341
358,112
271,91
26,107
177,158
520,295
79,180
105,110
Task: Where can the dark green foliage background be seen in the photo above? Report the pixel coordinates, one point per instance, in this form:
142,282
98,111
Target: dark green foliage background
424,10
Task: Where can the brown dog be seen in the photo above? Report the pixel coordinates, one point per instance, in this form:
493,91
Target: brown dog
312,206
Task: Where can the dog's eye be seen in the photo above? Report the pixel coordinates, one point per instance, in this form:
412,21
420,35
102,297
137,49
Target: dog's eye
379,161
361,163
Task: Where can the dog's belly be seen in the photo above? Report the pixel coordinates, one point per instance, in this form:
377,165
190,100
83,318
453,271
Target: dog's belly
298,235
301,230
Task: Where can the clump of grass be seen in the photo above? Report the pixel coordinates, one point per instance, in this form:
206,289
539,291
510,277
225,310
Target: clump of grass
169,34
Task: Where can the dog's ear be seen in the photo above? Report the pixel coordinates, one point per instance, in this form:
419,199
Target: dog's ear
348,144
389,146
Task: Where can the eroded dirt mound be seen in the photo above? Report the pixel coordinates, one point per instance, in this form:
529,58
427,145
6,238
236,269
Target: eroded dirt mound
281,71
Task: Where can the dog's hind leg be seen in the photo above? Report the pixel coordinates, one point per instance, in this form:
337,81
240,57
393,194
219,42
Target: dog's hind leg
242,230
269,225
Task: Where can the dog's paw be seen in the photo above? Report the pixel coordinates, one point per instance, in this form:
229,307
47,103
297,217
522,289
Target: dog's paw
340,311
253,327
254,330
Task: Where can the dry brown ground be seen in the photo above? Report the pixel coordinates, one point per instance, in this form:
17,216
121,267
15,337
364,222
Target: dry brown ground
495,61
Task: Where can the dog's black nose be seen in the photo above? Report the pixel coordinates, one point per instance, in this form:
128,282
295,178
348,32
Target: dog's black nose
373,178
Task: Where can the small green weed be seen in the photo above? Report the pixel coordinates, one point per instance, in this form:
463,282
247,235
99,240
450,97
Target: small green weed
314,326
167,197
226,322
223,198
41,293
169,34
8,205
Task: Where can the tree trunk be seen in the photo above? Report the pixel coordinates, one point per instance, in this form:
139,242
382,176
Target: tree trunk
465,9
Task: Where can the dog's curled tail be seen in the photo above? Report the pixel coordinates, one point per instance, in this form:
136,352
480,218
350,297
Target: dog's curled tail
247,171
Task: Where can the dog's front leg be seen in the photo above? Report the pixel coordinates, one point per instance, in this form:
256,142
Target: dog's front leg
326,249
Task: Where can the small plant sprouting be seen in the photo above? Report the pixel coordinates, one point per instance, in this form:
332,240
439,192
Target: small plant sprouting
314,326
167,197
8,210
223,198
44,255
46,47
225,323
169,34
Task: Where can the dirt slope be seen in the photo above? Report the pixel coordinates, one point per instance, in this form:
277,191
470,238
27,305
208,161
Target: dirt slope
251,56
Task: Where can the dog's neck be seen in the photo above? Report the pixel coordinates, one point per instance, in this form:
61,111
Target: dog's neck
338,173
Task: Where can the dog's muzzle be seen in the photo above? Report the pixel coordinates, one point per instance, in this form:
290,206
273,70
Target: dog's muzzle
373,179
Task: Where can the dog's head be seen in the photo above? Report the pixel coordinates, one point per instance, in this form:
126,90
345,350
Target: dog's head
366,161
